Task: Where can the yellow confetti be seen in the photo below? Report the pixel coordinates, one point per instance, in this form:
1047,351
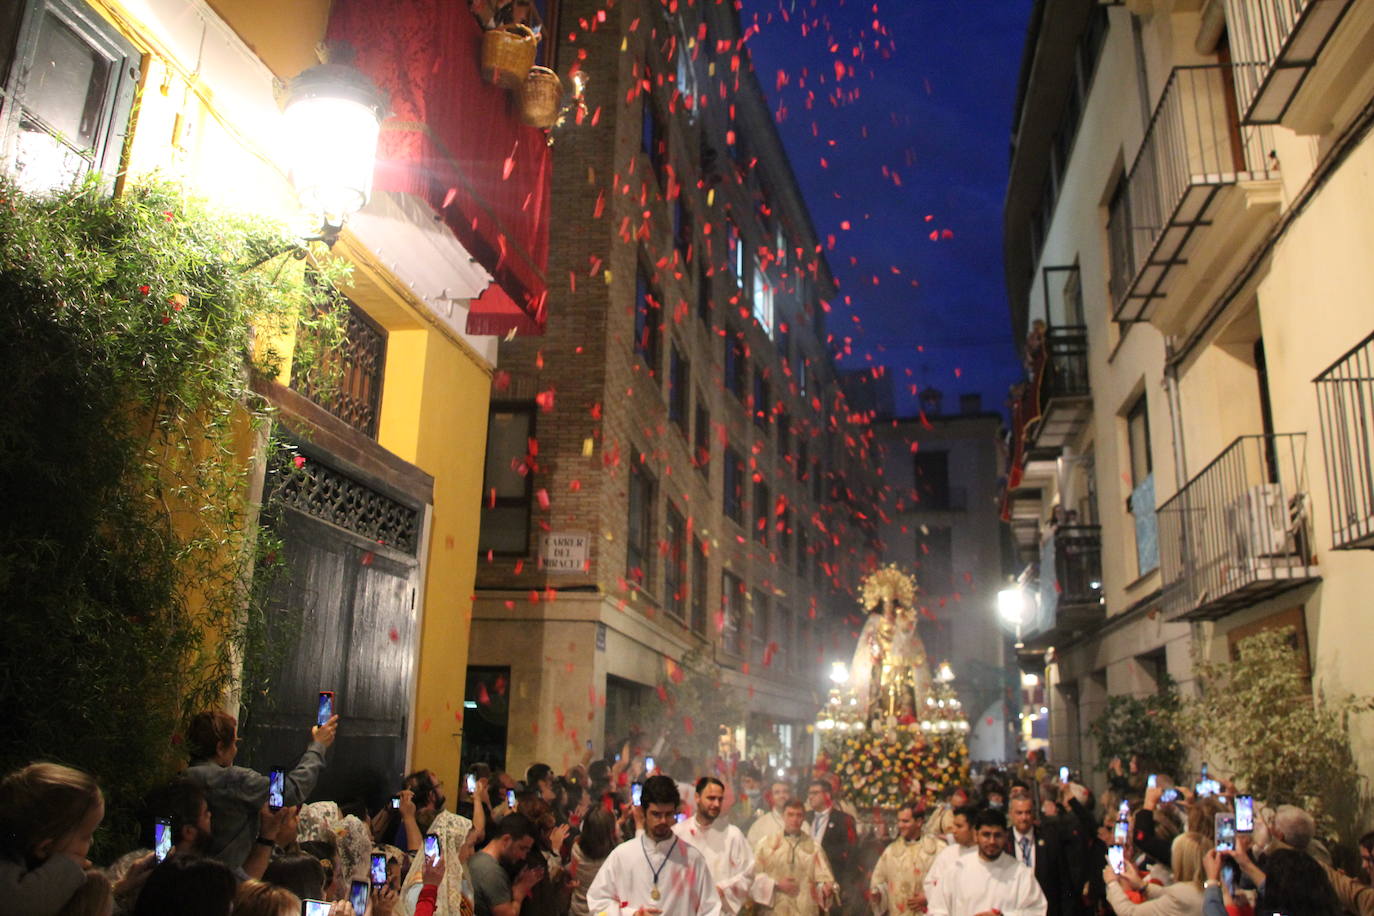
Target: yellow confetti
624,44
607,275
588,447
711,197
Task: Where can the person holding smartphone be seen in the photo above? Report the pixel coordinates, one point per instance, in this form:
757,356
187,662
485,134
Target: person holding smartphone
236,795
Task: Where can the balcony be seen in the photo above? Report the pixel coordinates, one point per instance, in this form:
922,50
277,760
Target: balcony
1237,533
1070,590
1345,402
1201,190
1061,379
1275,43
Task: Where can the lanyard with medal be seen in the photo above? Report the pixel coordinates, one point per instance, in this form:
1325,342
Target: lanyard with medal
654,894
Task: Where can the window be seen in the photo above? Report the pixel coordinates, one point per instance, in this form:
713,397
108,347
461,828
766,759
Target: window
736,248
704,307
803,548
648,320
507,488
932,480
679,388
784,526
675,566
682,226
65,109
699,573
763,298
934,559
803,365
817,481
802,459
639,559
356,366
784,425
732,613
1138,433
763,627
1142,500
653,140
736,365
763,507
763,396
701,437
733,503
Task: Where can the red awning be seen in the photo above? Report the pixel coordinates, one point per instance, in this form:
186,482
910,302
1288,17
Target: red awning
457,142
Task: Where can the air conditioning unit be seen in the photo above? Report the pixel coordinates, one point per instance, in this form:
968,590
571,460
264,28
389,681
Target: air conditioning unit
1258,525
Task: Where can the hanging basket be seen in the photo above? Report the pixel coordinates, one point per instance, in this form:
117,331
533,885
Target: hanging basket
541,97
507,55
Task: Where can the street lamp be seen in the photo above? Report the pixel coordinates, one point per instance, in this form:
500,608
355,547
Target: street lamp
333,116
839,673
1011,605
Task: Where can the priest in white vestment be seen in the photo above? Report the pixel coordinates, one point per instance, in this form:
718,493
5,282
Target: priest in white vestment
796,867
896,884
656,873
770,822
989,882
726,850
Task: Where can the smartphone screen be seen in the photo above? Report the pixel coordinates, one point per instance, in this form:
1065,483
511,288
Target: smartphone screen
1152,782
635,792
276,788
1245,813
1064,775
357,895
1204,770
396,801
648,764
1169,795
315,907
162,838
1123,810
472,783
1122,833
1226,831
378,868
1116,857
326,707
510,799
432,848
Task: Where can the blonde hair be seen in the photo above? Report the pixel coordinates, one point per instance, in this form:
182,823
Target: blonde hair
1185,858
43,801
258,898
95,897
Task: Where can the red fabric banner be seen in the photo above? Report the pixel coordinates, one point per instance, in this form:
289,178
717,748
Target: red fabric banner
457,142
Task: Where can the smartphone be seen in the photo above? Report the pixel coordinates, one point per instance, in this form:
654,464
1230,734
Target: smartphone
326,707
1226,832
1064,775
396,802
315,907
636,791
1245,813
648,764
1204,770
589,744
432,848
276,788
378,873
357,895
1122,833
510,799
162,838
1152,782
472,783
1116,857
1123,810
1169,795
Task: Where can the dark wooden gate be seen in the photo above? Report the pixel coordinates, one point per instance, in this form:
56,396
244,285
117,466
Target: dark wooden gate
346,609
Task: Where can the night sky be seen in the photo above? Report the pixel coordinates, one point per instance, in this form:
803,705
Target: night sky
931,103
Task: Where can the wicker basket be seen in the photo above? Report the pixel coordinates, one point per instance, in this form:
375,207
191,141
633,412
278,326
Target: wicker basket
507,55
541,97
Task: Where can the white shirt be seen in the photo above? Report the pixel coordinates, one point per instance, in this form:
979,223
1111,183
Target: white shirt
768,824
819,823
935,874
730,859
972,885
625,881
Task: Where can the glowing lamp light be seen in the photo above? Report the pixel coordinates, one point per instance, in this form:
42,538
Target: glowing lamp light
1011,605
945,674
839,673
1030,680
333,116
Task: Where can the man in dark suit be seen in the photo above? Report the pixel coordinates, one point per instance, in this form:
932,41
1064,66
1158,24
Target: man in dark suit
834,830
1043,849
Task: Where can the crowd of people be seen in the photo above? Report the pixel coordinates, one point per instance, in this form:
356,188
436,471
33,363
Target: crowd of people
628,837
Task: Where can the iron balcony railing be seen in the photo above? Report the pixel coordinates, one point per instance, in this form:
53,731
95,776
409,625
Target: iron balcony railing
1194,146
1345,401
1275,43
1078,565
348,381
1238,532
1066,366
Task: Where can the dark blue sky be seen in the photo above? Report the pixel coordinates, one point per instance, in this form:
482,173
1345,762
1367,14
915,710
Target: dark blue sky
933,105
